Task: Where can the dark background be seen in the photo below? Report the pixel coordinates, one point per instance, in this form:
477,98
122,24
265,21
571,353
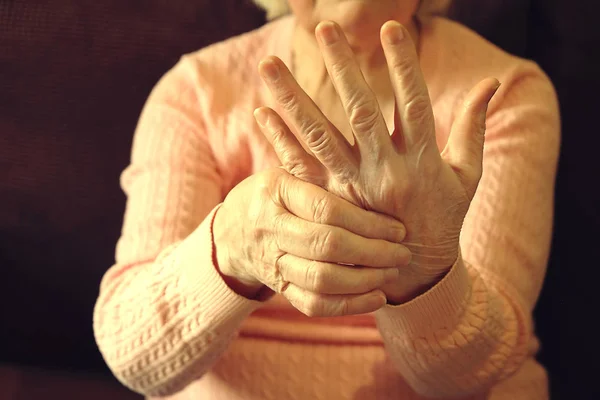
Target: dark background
563,36
74,75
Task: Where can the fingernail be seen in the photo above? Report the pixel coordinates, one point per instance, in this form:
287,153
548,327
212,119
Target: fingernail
378,299
404,256
395,33
400,231
391,274
271,70
328,33
261,116
488,100
495,90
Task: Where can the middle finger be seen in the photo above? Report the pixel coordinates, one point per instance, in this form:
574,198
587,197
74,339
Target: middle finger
359,100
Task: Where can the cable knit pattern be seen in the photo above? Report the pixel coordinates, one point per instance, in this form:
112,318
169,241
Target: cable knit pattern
168,325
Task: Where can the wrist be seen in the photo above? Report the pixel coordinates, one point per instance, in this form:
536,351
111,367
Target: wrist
221,257
419,277
397,293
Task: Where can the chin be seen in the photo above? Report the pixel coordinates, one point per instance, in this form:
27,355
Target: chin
361,20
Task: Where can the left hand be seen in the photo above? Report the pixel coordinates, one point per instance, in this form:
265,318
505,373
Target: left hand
403,175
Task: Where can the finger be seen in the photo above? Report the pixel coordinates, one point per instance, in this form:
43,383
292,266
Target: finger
331,244
327,278
412,96
359,101
312,127
315,305
315,204
397,135
464,150
290,152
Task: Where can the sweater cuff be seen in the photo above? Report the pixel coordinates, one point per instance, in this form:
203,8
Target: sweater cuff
439,307
205,286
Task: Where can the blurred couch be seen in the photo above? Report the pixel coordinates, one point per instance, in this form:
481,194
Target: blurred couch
74,75
563,37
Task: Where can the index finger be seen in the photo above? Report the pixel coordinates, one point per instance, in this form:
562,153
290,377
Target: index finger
320,136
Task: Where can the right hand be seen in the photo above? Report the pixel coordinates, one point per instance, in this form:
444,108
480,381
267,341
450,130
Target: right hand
277,231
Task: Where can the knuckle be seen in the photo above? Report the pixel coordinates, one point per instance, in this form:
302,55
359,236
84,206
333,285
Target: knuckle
418,109
326,244
315,277
298,169
278,272
322,210
364,115
403,67
288,99
316,134
278,135
339,68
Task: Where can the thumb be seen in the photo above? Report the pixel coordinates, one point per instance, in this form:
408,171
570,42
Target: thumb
464,150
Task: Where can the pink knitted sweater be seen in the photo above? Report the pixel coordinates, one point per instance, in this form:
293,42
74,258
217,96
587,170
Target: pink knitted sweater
168,325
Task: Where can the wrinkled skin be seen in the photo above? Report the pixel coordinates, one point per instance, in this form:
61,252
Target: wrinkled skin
402,175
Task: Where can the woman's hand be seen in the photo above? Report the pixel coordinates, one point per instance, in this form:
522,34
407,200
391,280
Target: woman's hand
403,176
276,230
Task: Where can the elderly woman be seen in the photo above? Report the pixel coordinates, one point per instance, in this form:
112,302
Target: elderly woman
391,256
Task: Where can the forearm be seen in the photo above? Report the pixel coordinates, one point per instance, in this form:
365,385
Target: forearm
459,338
175,311
474,328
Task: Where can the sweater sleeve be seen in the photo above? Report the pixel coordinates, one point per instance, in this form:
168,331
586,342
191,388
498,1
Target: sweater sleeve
474,328
164,315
